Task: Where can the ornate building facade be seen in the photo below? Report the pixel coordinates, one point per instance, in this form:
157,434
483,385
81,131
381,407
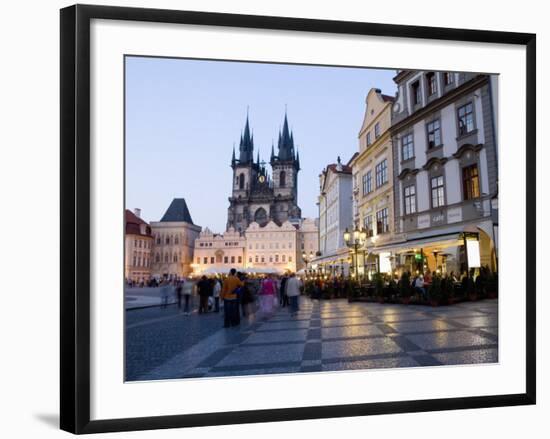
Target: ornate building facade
174,241
258,197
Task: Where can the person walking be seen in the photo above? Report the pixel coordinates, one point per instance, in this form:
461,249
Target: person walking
283,298
216,294
268,291
187,292
293,287
204,289
165,289
179,293
229,295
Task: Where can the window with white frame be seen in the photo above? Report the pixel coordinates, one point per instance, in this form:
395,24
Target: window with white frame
382,223
434,133
381,173
465,119
410,199
407,147
438,191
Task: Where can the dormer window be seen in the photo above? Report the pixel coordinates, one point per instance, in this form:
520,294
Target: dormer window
377,130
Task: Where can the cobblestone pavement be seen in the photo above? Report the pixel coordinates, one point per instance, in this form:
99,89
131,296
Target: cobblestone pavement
324,336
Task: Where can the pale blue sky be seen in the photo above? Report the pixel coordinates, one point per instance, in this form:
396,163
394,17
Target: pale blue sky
183,117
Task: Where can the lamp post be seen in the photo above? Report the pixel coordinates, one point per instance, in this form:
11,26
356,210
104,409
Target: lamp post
355,239
307,259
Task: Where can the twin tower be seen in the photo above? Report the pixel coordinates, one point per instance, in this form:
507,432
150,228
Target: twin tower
257,196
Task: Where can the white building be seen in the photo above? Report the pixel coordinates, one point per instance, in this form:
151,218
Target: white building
272,247
335,215
445,169
218,253
308,238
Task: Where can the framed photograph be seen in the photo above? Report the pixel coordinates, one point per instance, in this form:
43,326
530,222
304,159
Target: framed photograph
273,218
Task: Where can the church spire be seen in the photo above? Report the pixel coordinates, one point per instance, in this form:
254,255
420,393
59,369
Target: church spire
286,142
246,146
233,160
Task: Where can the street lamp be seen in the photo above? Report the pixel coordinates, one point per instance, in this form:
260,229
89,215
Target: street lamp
307,259
355,239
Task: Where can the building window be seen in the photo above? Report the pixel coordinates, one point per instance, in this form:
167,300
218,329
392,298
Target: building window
276,258
470,182
166,257
240,259
232,259
175,258
410,199
225,260
263,259
367,222
284,258
431,82
282,179
176,240
382,225
434,134
368,139
407,147
250,259
157,258
377,130
290,259
205,260
448,78
158,240
381,173
438,191
465,119
167,240
241,181
211,259
415,88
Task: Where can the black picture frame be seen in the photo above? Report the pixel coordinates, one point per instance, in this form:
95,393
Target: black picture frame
75,217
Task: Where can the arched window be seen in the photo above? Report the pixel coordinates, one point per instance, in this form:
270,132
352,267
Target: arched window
241,181
282,179
175,258
176,240
157,258
166,257
167,241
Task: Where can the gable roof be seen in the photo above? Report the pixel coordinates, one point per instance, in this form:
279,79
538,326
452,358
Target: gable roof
132,218
133,223
177,212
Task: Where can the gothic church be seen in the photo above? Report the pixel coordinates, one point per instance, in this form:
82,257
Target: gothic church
258,197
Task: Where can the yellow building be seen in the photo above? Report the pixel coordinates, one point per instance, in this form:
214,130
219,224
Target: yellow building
372,170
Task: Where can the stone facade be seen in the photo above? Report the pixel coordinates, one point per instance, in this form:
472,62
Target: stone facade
174,240
272,247
372,171
258,197
219,252
445,163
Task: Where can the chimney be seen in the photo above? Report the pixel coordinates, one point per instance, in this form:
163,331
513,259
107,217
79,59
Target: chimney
137,212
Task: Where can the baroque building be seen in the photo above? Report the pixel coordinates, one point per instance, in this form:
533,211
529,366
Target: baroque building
445,170
373,182
258,197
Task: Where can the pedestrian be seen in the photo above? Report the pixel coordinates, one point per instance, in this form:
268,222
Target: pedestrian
216,294
179,293
283,298
229,295
187,292
204,289
293,289
165,289
268,294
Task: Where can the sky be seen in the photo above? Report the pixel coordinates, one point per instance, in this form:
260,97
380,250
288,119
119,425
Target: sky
184,116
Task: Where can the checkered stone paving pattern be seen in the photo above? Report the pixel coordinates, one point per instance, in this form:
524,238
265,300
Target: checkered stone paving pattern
324,336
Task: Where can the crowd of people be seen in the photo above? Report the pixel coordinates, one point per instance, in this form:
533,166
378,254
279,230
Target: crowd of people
237,294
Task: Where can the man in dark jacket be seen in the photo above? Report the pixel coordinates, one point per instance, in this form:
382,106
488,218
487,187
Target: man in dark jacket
204,289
